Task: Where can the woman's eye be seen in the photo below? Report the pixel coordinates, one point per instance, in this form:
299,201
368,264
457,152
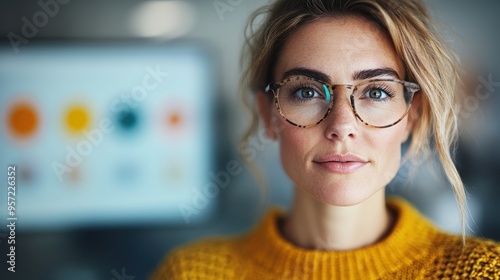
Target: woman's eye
306,93
376,93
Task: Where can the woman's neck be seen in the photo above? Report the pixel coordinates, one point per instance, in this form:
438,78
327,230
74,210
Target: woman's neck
315,225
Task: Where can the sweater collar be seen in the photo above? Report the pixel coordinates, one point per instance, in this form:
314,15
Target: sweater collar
401,247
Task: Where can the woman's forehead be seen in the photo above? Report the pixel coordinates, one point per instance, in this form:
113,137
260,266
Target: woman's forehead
338,47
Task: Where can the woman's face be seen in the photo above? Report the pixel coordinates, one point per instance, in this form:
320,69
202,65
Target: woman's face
317,158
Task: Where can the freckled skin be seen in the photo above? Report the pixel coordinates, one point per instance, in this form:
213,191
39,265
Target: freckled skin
338,47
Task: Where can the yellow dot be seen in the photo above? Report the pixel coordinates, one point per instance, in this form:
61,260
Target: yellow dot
77,119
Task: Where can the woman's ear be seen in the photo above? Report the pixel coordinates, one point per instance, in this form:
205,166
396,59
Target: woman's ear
265,106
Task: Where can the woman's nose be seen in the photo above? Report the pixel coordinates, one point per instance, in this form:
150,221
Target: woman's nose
341,123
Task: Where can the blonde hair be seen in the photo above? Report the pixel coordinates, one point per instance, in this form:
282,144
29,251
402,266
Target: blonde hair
428,62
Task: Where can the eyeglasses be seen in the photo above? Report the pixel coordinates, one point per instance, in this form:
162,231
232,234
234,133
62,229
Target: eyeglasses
305,102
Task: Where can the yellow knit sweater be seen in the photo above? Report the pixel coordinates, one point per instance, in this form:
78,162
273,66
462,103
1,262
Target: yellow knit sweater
414,249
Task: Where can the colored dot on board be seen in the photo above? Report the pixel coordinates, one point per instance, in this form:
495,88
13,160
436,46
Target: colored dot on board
26,173
23,120
77,119
74,175
174,119
175,173
127,119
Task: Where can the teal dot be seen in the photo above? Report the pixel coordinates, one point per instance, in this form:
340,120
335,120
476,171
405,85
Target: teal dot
127,119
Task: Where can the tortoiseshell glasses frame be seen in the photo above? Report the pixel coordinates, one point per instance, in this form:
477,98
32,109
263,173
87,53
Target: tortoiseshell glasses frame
409,90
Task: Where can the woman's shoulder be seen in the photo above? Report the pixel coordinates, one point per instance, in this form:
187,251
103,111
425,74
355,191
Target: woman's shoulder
219,257
207,248
203,259
479,257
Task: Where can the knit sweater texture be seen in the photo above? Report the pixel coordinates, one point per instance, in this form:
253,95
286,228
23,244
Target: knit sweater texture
413,249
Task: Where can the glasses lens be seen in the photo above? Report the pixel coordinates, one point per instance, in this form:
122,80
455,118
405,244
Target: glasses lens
303,101
381,103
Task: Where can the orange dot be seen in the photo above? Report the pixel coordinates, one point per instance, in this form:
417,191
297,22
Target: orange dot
174,119
77,119
23,120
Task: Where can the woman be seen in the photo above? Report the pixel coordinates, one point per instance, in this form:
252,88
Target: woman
341,84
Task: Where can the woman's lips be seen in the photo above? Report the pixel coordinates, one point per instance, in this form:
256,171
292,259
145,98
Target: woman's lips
341,164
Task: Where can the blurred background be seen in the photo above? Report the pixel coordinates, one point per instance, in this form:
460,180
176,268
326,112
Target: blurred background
123,120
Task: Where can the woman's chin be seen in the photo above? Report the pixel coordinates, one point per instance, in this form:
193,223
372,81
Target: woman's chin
341,195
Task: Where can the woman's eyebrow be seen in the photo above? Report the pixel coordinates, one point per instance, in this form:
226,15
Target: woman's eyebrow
302,71
359,75
372,73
